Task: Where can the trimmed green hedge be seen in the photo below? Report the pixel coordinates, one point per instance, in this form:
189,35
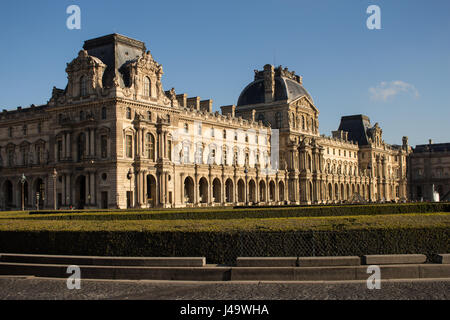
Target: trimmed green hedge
254,213
220,247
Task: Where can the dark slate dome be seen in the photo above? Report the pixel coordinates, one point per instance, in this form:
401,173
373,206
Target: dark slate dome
285,89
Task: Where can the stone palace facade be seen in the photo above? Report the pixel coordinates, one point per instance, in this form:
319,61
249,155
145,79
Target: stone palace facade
113,138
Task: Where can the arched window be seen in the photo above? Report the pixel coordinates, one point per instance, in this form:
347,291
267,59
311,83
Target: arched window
303,123
83,86
147,87
150,147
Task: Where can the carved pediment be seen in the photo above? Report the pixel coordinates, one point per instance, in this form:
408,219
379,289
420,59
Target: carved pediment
85,75
305,103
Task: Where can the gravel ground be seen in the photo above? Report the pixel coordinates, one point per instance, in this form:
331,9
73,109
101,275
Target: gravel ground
30,288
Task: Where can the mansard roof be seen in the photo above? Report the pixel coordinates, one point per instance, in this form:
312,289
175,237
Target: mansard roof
288,86
357,127
437,147
114,50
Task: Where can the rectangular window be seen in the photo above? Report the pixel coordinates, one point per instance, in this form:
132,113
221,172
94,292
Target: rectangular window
186,154
59,150
129,146
169,149
104,146
38,155
10,158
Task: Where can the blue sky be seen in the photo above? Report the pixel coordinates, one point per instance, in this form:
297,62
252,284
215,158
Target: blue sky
398,76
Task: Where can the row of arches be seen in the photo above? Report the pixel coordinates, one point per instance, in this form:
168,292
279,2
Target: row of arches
233,192
33,194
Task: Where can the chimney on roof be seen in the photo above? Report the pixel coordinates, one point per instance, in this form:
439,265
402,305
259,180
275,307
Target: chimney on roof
405,142
231,110
430,141
269,83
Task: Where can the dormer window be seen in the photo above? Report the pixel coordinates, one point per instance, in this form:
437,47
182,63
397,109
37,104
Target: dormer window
83,86
147,87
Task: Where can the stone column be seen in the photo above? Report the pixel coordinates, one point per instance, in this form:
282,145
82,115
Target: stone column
257,197
138,188
195,189
68,188
296,190
87,187
182,188
246,190
277,191
223,191
161,188
166,189
92,189
144,188
210,190
63,189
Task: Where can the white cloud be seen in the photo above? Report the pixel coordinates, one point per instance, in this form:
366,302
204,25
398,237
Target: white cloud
387,90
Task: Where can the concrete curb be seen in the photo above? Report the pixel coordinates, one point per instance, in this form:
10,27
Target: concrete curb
105,261
343,273
394,259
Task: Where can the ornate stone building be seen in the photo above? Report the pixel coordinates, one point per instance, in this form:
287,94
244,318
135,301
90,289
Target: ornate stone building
430,172
113,138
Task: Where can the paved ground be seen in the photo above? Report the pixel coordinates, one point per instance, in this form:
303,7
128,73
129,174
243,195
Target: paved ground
13,288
